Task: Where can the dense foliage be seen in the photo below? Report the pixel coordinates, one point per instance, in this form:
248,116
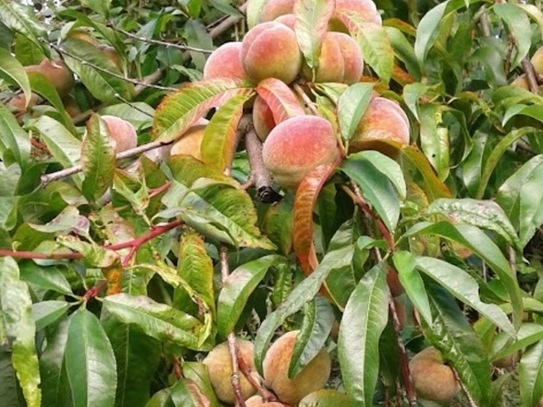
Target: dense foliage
124,264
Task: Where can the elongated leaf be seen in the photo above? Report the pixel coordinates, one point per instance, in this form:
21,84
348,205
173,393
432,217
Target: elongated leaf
528,334
15,72
221,134
198,373
280,99
46,312
531,375
364,319
304,292
180,110
56,389
157,320
318,321
100,82
254,10
15,307
462,286
15,142
521,198
351,107
517,21
380,181
97,159
483,214
48,278
237,288
327,398
196,269
434,139
137,356
21,18
277,223
478,242
452,334
311,25
10,392
302,227
412,94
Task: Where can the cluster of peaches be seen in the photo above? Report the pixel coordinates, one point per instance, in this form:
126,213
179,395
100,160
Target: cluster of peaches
303,141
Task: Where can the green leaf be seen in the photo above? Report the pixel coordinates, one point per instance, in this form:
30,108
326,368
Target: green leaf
521,198
304,292
528,334
411,95
452,334
97,159
363,321
326,398
221,134
434,139
12,69
483,214
159,321
137,356
280,99
237,288
463,287
196,269
15,142
351,107
179,110
318,321
47,278
312,18
10,392
47,312
254,10
413,284
21,18
277,223
198,373
55,385
517,21
381,182
100,82
531,375
16,321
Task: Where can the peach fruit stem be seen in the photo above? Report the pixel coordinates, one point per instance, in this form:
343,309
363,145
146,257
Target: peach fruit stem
267,396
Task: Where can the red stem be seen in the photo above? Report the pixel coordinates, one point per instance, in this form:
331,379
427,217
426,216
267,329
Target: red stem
94,291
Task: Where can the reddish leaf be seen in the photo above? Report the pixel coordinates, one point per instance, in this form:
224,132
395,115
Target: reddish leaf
304,203
281,100
180,110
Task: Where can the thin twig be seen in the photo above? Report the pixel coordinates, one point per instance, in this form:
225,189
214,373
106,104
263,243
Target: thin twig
267,396
308,102
227,23
182,47
531,78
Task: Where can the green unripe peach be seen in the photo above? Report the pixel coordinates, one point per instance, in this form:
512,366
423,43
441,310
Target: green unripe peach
276,364
220,371
384,127
270,50
296,146
225,62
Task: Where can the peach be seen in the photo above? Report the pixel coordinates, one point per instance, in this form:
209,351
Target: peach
220,371
361,10
17,103
288,19
71,106
190,141
384,127
111,54
262,118
276,364
57,73
276,8
123,133
82,36
225,62
296,146
256,401
340,60
537,60
433,380
270,50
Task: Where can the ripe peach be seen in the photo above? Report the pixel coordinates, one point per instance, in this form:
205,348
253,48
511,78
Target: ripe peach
123,133
361,10
111,53
537,60
220,371
276,8
288,19
340,60
256,401
71,106
225,62
17,103
82,36
262,118
57,73
270,50
190,141
276,363
384,127
433,380
296,146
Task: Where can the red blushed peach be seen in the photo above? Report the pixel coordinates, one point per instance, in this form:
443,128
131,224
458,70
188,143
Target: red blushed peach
275,8
123,133
256,401
360,10
340,60
262,118
225,62
384,127
296,146
57,73
288,19
270,50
